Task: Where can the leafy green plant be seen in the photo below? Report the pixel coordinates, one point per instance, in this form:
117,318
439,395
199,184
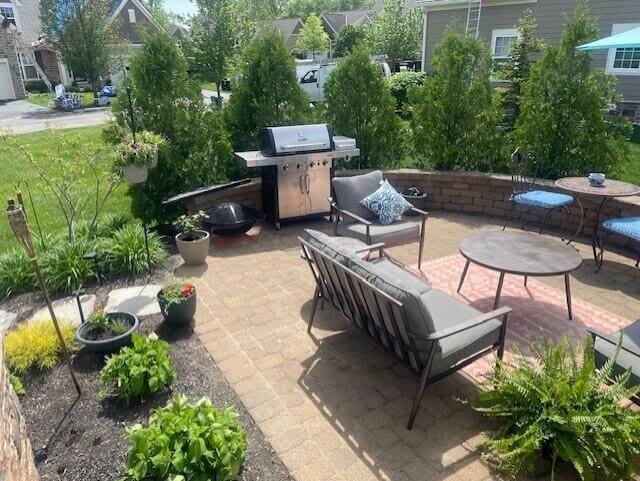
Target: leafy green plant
64,266
35,344
124,252
142,152
402,82
101,322
17,385
186,441
360,105
558,406
140,370
188,225
176,290
16,273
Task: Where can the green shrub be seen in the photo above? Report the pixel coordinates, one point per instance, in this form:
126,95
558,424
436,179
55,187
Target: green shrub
183,440
557,406
64,267
16,273
36,87
401,83
138,371
360,105
17,385
456,116
106,225
124,253
36,344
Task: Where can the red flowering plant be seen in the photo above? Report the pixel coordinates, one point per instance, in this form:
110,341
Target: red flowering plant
142,152
176,290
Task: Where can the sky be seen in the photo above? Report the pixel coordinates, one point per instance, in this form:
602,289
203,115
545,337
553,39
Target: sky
182,7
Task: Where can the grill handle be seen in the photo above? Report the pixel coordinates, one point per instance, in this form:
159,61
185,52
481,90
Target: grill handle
307,182
304,146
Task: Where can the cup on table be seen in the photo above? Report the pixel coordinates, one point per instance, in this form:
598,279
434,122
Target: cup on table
597,179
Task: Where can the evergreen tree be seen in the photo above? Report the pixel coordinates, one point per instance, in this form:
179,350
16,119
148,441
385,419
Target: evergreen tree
360,105
564,108
269,93
348,37
312,37
456,114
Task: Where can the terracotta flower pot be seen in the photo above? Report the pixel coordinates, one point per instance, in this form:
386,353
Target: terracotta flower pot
135,174
179,313
194,252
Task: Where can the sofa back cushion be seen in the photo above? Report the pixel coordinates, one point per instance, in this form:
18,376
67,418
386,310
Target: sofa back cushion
349,191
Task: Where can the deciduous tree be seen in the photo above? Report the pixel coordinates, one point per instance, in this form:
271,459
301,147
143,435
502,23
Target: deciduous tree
348,37
395,32
312,37
84,35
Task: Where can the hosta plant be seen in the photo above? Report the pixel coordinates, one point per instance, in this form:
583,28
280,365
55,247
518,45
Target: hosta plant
560,407
186,441
140,370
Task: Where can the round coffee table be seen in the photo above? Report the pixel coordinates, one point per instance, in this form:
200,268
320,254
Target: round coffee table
521,254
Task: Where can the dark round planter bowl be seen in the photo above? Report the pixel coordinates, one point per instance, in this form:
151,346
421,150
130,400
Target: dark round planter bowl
418,201
180,313
113,344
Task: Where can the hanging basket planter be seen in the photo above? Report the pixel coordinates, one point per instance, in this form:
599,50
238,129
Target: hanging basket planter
135,174
136,155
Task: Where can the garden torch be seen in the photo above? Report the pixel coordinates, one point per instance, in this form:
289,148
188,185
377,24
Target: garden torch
20,228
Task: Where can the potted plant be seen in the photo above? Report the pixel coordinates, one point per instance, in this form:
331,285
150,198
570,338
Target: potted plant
191,240
177,300
415,197
136,157
107,332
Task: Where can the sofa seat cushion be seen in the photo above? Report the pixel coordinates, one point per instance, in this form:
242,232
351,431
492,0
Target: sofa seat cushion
338,248
393,234
446,312
349,191
604,350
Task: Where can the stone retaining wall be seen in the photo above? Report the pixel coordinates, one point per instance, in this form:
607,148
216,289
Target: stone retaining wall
16,457
468,192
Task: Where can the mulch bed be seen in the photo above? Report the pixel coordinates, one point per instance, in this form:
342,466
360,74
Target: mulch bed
87,444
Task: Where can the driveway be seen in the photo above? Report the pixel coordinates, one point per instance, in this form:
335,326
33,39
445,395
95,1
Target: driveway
21,117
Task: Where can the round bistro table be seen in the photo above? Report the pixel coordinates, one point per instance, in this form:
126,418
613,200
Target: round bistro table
580,186
521,254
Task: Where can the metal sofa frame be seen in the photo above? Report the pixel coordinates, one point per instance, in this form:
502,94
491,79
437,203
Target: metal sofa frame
382,319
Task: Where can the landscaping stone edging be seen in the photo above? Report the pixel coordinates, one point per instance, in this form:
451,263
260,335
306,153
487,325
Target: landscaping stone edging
465,192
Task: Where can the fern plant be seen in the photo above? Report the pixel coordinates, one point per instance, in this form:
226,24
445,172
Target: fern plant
561,407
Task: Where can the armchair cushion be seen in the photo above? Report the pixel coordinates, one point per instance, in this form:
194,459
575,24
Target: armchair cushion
394,234
542,199
349,191
386,203
334,247
626,226
604,350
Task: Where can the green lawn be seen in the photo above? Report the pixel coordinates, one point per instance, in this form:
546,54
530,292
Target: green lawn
16,171
209,86
630,171
46,100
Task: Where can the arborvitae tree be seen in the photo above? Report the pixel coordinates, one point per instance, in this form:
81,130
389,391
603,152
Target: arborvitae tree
564,108
360,105
268,94
456,114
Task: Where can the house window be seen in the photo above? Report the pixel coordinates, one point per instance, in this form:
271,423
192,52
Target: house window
623,61
9,13
132,15
29,71
501,41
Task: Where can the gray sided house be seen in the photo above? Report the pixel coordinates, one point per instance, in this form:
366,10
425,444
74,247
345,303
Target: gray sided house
497,28
289,28
332,22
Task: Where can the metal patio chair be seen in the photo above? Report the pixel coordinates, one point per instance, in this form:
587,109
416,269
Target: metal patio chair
525,191
352,219
628,227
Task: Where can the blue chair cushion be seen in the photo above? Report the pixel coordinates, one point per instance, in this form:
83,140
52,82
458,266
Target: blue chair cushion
626,226
386,203
543,199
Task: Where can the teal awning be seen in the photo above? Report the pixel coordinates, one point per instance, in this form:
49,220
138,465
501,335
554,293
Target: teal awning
628,39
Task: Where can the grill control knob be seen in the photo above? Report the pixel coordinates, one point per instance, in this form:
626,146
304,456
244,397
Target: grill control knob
298,165
312,164
325,162
285,166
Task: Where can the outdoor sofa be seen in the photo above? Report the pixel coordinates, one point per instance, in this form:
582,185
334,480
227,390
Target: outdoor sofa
426,330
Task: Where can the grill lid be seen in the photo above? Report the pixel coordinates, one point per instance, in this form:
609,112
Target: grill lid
296,139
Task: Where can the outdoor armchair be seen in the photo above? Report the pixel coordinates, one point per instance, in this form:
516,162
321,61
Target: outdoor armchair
352,219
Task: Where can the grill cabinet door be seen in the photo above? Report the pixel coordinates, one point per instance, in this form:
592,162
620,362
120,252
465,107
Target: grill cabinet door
319,186
291,193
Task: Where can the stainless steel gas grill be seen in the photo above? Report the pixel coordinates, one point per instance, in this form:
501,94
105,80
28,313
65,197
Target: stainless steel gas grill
296,163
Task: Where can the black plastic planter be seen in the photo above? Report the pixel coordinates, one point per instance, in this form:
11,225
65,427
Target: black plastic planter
112,344
178,313
418,201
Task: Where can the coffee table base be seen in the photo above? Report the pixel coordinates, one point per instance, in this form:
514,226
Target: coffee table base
496,302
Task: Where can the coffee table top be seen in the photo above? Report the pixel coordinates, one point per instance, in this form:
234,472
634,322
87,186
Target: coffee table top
610,188
520,253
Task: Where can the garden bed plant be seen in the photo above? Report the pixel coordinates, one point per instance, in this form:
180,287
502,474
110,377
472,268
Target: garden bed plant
177,300
107,332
